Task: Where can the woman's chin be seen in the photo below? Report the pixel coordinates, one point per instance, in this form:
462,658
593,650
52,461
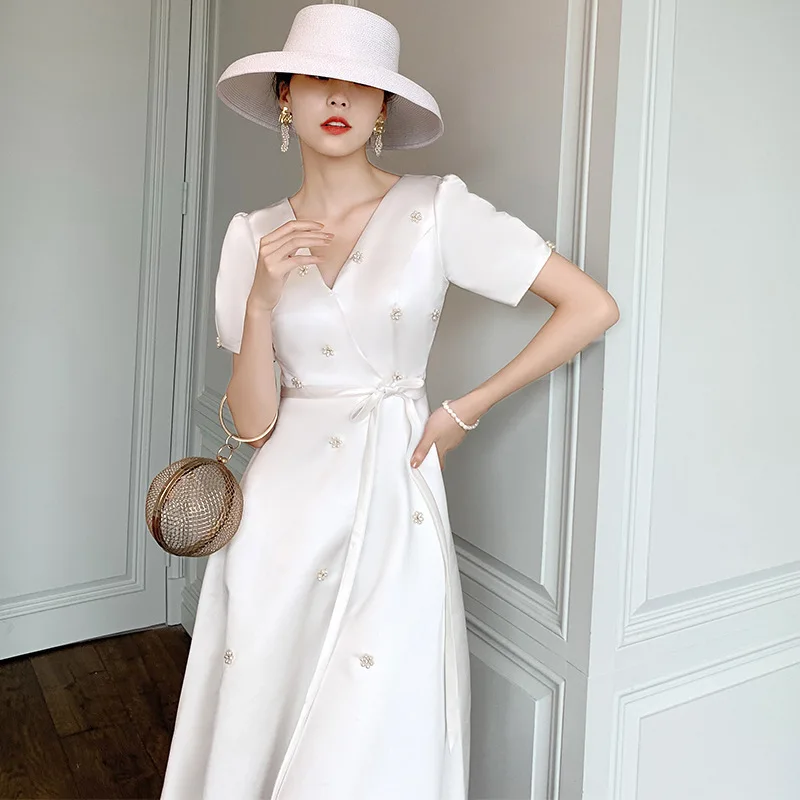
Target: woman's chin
343,144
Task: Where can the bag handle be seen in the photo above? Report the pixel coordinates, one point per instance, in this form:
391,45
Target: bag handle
231,435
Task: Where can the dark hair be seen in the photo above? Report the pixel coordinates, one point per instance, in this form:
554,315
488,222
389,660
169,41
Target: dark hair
281,78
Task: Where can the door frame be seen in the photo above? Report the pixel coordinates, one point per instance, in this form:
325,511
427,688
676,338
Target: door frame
191,325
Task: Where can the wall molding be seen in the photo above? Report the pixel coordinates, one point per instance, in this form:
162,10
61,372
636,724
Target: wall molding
543,686
634,705
681,610
565,384
639,462
150,272
69,596
193,324
507,586
182,423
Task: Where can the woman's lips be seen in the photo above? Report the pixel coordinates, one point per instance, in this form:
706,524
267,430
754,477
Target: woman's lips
331,126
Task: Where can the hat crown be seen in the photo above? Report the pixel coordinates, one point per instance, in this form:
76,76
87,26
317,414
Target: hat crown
345,32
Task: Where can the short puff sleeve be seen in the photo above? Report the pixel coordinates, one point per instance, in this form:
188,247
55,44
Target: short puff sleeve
237,269
483,250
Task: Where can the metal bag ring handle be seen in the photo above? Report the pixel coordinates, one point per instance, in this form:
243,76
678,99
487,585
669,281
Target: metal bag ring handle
233,435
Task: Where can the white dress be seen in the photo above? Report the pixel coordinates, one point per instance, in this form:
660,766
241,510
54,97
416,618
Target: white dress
329,659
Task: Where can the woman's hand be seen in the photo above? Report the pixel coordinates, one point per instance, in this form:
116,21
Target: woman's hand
276,258
443,431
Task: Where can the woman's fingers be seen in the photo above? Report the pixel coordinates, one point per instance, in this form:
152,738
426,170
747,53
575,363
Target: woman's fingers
281,236
292,246
289,228
440,430
290,262
421,451
314,237
277,257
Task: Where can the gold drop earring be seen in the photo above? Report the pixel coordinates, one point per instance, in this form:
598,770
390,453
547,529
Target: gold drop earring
378,133
286,120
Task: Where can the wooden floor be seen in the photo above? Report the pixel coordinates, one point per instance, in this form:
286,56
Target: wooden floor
92,720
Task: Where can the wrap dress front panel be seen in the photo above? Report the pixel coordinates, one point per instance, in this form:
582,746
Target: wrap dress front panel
329,657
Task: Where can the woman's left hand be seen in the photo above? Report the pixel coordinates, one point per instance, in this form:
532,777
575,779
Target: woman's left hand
443,431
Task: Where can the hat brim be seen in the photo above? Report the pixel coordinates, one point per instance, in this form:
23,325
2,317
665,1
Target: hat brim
413,118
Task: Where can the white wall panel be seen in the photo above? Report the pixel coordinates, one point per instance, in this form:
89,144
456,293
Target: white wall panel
725,730
726,434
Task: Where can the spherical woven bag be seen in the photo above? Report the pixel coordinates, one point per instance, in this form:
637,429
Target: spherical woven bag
194,506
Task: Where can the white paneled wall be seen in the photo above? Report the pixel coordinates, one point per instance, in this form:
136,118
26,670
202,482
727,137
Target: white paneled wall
695,648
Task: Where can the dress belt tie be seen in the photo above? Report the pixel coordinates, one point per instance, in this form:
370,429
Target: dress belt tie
369,406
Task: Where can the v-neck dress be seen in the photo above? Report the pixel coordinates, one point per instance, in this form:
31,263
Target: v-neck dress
329,659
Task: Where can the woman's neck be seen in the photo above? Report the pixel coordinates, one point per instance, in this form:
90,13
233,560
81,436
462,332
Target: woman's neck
333,186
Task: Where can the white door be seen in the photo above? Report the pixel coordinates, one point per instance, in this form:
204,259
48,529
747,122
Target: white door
93,100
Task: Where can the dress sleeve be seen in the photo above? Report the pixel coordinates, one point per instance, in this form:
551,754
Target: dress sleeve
483,250
237,266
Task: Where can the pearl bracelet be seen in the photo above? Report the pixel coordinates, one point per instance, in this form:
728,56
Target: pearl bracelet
458,419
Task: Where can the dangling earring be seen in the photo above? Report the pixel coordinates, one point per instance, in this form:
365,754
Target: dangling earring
378,132
286,120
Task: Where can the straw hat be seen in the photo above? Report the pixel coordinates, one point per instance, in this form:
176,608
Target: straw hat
344,42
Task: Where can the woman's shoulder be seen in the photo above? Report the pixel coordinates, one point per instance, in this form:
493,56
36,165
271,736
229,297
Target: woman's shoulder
261,221
433,188
430,182
438,187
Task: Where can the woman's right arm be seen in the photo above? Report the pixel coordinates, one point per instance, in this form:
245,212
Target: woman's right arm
252,395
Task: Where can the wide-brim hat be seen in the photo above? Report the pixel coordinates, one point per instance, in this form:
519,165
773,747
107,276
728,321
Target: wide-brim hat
344,42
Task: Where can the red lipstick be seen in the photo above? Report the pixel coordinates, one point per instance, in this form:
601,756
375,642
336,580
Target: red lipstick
335,125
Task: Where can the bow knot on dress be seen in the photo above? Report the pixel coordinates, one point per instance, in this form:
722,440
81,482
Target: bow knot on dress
411,388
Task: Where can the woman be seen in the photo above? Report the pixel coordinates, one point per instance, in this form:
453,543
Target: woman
329,658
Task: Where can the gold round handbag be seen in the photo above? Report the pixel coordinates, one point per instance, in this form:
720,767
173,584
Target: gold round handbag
194,506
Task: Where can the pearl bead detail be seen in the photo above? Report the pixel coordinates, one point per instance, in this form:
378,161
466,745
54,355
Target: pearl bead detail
458,419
